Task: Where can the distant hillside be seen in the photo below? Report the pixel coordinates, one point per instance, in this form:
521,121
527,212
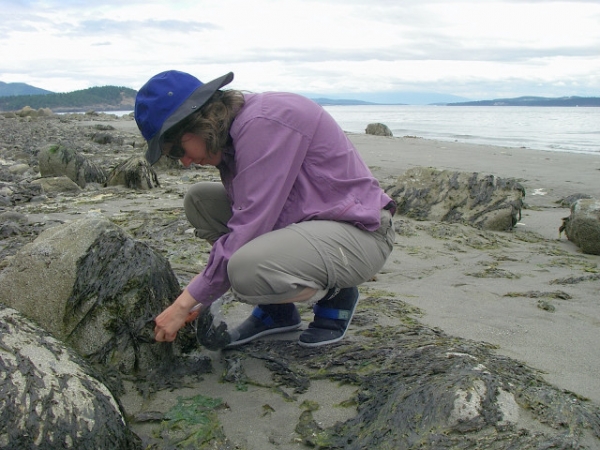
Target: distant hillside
105,98
345,102
384,98
8,89
534,101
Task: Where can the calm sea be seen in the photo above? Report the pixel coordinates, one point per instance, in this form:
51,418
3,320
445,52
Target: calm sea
557,129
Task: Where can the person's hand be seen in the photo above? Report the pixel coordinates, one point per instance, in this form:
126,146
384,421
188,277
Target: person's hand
192,315
172,319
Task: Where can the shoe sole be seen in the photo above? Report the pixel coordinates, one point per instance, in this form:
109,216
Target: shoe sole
331,341
264,333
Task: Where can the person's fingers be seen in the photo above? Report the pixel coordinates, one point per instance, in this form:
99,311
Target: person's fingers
161,335
192,316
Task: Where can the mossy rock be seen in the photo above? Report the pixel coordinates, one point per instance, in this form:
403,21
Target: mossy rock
484,201
134,173
582,227
97,289
57,161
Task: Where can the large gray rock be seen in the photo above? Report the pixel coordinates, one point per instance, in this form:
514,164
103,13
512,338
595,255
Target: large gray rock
51,398
56,161
134,173
378,129
95,288
28,111
582,227
54,185
486,202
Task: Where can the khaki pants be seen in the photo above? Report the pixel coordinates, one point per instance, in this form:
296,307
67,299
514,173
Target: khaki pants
276,266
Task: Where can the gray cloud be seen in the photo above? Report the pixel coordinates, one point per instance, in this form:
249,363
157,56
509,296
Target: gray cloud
436,37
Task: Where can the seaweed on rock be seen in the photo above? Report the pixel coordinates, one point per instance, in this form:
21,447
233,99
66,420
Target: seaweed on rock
120,285
420,388
50,396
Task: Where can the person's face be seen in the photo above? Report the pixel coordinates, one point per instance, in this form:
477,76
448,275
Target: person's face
192,149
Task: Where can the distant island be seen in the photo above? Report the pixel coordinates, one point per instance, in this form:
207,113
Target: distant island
342,102
105,98
534,101
8,89
15,96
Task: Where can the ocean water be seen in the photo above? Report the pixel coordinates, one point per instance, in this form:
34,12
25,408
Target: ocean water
542,128
556,129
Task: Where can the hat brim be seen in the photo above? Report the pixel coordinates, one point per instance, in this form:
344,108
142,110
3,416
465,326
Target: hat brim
192,104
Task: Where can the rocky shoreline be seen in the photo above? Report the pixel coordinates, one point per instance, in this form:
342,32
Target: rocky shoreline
433,358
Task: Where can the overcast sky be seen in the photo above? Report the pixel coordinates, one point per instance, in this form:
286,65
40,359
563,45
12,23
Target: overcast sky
477,49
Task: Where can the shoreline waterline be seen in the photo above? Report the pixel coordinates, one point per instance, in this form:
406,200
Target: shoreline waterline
560,129
553,129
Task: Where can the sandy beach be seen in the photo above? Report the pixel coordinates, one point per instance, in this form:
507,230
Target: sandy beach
563,343
437,276
445,277
507,289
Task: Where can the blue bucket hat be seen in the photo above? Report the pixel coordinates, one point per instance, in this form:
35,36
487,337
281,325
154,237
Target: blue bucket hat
168,98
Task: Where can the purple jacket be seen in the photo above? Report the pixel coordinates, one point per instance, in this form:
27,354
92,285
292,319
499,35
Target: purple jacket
290,162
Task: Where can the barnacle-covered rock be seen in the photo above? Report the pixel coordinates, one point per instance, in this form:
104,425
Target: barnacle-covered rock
50,396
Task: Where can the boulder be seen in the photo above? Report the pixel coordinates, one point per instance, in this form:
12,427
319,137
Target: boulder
12,224
582,227
107,138
568,201
378,129
18,169
28,111
484,201
56,161
97,289
53,185
135,173
18,193
51,398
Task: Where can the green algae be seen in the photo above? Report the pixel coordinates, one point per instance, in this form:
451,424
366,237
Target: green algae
546,306
561,295
193,423
575,280
493,271
407,377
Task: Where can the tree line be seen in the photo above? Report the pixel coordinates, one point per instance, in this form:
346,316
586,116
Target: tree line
104,97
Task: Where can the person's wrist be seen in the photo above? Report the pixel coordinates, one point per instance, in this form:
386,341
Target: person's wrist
185,301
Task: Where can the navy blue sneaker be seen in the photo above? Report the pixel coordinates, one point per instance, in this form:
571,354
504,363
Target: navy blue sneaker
333,315
265,320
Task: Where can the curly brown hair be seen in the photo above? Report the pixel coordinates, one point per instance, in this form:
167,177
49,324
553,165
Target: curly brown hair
211,122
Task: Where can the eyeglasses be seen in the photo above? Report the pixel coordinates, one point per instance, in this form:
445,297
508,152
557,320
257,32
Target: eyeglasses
172,151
